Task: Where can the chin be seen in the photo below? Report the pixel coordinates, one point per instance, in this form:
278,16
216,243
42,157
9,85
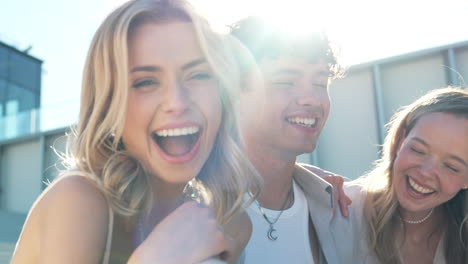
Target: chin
307,148
171,175
177,179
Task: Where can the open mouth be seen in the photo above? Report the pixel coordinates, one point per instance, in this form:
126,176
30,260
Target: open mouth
418,189
177,142
304,122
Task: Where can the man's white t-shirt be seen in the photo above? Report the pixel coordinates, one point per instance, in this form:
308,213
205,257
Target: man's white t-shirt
292,230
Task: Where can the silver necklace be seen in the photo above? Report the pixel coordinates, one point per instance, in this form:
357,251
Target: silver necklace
417,221
270,234
141,236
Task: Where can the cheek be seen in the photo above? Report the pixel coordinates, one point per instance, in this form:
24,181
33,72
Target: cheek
452,186
210,105
400,164
403,160
134,109
326,107
135,128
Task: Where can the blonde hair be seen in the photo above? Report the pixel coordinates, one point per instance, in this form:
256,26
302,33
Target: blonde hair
381,203
95,147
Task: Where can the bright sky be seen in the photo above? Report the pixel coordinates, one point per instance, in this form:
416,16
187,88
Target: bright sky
60,31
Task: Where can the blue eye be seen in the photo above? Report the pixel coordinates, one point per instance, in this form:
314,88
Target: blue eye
143,83
201,76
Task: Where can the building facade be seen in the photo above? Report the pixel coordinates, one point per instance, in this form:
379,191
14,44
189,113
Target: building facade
20,88
362,103
20,95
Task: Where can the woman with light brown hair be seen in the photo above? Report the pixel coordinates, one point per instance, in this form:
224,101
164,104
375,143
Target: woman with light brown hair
157,128
413,207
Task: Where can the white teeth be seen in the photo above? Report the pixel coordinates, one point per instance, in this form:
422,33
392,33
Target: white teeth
307,122
418,187
183,131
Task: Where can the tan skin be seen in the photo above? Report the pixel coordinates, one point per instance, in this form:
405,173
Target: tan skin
169,81
290,88
420,244
434,158
51,225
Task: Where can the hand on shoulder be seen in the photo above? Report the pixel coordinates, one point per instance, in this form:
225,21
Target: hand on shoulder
240,230
339,196
190,234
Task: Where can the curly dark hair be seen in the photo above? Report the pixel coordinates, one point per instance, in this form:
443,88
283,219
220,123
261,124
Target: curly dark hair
265,41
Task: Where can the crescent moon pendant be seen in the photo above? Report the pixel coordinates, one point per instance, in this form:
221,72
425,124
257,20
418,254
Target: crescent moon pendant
271,235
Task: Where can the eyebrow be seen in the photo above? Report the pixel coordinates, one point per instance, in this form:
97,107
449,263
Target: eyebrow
146,68
455,157
420,140
298,72
324,73
152,68
458,159
193,63
287,71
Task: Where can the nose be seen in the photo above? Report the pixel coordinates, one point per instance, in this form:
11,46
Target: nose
429,167
306,99
311,95
176,99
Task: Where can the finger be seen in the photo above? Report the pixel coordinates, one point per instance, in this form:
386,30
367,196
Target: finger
214,247
337,183
342,203
343,206
343,199
230,251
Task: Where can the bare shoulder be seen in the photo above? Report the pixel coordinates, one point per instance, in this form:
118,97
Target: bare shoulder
74,189
68,222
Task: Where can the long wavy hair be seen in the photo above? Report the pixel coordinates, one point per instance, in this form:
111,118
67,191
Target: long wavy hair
95,149
382,204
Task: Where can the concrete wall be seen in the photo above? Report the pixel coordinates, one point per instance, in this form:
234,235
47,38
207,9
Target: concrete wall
25,167
367,97
404,81
348,142
55,145
461,62
21,175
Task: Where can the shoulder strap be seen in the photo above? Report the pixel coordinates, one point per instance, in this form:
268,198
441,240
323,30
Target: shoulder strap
110,228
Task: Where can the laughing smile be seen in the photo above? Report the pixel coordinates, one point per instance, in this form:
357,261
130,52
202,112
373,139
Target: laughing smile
305,122
415,187
177,142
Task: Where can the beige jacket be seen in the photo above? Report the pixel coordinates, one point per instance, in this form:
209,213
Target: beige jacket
332,230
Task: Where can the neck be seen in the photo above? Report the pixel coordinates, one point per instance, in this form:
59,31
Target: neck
166,198
423,231
277,173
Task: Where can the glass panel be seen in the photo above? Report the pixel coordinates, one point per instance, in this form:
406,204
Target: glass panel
12,107
23,71
3,89
25,97
25,123
3,62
